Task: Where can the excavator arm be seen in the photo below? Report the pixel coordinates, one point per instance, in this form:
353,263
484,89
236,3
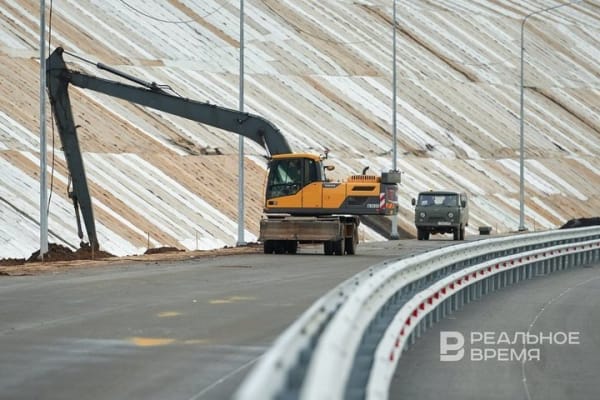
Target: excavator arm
58,78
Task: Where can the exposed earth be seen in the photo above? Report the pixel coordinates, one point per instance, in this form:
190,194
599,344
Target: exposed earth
61,257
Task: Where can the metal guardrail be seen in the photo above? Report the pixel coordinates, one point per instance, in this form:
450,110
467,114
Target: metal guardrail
348,343
449,294
280,372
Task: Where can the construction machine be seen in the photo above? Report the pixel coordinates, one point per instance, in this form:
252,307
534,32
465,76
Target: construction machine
301,204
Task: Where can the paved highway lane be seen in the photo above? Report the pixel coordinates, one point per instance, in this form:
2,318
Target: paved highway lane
171,330
566,301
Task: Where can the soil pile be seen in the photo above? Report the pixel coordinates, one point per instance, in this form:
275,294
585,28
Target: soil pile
58,252
7,262
581,222
158,250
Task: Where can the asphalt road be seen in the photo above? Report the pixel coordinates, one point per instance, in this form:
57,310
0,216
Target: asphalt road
176,330
567,301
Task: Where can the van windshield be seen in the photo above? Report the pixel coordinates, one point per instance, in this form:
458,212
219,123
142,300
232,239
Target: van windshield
431,199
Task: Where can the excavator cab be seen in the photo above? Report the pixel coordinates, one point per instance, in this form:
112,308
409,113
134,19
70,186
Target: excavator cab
290,173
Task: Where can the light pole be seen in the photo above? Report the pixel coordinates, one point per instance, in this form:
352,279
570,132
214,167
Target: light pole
394,234
241,241
521,125
43,186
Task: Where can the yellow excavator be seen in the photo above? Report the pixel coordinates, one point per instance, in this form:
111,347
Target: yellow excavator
301,204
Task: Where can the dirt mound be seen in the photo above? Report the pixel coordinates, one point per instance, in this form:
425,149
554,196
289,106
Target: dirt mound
159,250
581,222
58,252
7,262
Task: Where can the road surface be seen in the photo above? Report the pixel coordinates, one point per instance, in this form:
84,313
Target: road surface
564,302
169,330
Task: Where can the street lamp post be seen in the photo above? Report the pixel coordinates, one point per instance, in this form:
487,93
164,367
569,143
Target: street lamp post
43,145
394,234
241,241
521,121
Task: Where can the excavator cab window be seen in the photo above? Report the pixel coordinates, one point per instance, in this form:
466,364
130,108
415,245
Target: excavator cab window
288,176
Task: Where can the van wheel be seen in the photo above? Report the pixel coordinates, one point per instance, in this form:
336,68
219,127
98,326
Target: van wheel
456,233
462,232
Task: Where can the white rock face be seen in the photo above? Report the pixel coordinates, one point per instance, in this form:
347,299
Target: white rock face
321,72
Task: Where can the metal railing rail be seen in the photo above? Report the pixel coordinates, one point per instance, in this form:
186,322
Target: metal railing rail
362,319
281,370
331,351
449,294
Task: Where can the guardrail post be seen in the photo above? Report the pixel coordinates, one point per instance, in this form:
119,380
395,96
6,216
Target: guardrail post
560,263
471,292
520,272
574,259
467,292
